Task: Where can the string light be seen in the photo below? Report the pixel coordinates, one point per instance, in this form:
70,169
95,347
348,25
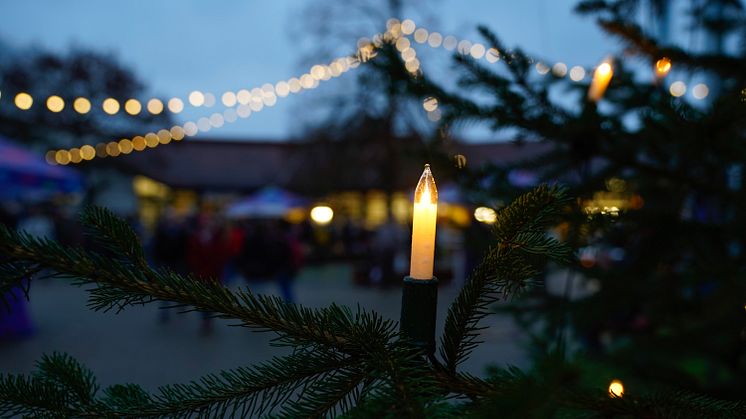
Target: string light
245,102
82,105
23,101
55,104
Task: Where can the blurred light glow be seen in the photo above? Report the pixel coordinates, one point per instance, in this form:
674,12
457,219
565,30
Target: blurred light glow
125,146
155,106
75,155
434,116
196,98
243,97
492,55
175,105
55,103
412,65
230,115
209,100
485,215
216,120
662,67
577,73
616,388
228,99
62,157
243,111
110,106
190,129
151,139
138,143
450,42
430,103
282,88
559,69
677,88
203,124
477,51
464,47
87,152
700,91
132,106
164,136
542,68
322,214
420,35
177,133
407,26
24,101
112,149
82,105
402,44
435,39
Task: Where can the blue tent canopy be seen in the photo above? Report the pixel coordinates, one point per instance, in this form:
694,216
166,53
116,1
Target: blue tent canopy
26,175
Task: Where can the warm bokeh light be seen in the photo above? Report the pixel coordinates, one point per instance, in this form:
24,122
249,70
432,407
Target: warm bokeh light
132,106
24,101
450,42
662,67
559,69
492,55
155,106
151,140
82,105
87,152
196,98
616,389
62,157
110,106
177,133
485,215
228,99
542,68
477,51
164,136
677,89
175,105
322,214
430,104
601,79
577,73
420,35
55,104
700,91
402,44
125,145
138,143
407,26
112,149
435,39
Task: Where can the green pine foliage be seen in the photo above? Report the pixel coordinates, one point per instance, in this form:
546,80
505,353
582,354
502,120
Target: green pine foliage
672,312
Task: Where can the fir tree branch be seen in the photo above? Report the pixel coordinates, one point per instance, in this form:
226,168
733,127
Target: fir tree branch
503,270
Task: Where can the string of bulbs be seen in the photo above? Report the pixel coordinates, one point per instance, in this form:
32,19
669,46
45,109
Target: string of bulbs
241,103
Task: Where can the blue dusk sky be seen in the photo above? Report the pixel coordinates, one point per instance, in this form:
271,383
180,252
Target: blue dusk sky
213,46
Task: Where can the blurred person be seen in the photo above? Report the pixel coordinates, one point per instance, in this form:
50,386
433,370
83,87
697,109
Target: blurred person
385,246
169,248
206,255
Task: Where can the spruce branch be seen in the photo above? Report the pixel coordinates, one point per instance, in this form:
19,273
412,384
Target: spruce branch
520,228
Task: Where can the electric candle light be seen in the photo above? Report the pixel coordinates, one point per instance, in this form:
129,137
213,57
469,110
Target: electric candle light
601,79
423,227
420,289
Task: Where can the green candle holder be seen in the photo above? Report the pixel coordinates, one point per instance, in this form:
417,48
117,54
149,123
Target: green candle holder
419,304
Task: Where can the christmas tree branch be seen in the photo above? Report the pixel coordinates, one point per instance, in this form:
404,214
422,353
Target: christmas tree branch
520,229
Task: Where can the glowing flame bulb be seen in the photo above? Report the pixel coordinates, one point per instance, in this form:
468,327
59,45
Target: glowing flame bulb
616,389
423,226
601,78
662,67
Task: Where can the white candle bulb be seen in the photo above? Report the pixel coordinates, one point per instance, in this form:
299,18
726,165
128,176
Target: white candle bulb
423,227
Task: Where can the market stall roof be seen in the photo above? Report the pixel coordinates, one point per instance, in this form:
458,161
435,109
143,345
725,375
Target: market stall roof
268,202
26,175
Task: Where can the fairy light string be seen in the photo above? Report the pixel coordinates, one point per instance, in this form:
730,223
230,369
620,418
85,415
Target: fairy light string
404,35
